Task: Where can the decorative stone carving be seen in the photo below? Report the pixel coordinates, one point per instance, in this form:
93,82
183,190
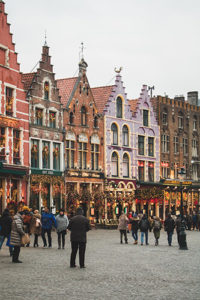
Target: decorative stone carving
95,139
70,136
83,138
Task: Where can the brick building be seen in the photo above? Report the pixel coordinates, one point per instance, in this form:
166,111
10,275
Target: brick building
120,182
179,147
14,125
83,145
46,135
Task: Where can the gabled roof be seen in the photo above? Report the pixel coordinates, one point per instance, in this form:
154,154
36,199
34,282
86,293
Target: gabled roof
101,96
133,105
27,79
66,87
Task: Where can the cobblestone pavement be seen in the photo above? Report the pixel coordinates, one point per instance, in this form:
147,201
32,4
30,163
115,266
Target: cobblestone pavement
113,270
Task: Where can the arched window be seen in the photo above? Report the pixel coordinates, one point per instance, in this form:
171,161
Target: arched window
125,165
83,116
125,135
46,90
71,118
95,122
119,107
114,134
114,164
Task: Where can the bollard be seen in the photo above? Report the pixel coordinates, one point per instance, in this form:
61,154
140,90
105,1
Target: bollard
182,238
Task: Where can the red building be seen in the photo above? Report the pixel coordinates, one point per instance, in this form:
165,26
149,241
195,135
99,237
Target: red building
14,122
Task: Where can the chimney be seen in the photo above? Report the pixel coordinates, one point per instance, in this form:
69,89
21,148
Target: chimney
179,98
192,98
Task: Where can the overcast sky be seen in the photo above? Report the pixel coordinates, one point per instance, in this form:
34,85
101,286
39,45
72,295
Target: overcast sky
157,42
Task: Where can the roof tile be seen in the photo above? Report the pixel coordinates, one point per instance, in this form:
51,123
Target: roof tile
101,96
65,87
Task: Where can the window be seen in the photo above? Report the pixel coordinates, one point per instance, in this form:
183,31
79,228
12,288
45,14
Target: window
141,170
164,118
125,136
46,90
195,123
2,144
114,164
180,121
185,146
52,119
194,148
125,165
95,156
34,154
176,144
82,155
114,134
140,145
16,146
70,151
2,56
194,172
176,170
165,143
71,118
39,116
95,122
151,171
150,146
145,117
56,156
46,155
119,107
165,171
9,101
83,116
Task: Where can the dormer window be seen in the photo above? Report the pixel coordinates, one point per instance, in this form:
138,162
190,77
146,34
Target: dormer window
164,117
9,101
38,116
145,118
52,119
46,90
119,107
95,122
83,116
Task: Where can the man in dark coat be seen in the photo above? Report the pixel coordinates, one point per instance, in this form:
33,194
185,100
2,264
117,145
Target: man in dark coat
78,226
5,227
169,226
144,227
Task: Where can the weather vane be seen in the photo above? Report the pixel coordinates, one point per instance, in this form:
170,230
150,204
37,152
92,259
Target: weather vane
45,38
151,88
118,70
81,52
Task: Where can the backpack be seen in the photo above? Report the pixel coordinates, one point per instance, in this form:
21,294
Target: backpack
144,225
157,225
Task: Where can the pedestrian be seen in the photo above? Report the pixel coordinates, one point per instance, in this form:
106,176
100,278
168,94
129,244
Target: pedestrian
62,224
150,223
194,221
178,228
189,221
36,227
157,225
134,227
198,221
48,221
78,225
5,229
17,232
27,221
122,226
144,227
169,226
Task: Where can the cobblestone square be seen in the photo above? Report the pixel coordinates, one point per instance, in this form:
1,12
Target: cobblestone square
112,271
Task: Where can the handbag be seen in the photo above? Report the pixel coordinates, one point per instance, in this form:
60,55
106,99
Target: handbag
25,239
37,222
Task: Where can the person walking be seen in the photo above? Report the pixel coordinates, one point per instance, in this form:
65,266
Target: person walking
36,227
48,221
17,232
122,226
157,225
27,221
62,224
5,229
169,226
79,226
134,227
144,227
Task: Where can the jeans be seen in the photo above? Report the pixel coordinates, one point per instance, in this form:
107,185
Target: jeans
146,237
48,231
169,237
75,246
135,235
61,233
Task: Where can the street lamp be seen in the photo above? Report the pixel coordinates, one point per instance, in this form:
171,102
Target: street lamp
182,234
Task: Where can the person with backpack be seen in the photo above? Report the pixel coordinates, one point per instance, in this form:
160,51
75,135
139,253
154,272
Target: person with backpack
169,226
157,225
144,227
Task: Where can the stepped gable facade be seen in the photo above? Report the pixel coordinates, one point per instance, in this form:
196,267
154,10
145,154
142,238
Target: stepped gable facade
46,136
14,123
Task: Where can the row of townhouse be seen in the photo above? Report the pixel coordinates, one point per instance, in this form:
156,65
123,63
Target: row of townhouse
65,144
